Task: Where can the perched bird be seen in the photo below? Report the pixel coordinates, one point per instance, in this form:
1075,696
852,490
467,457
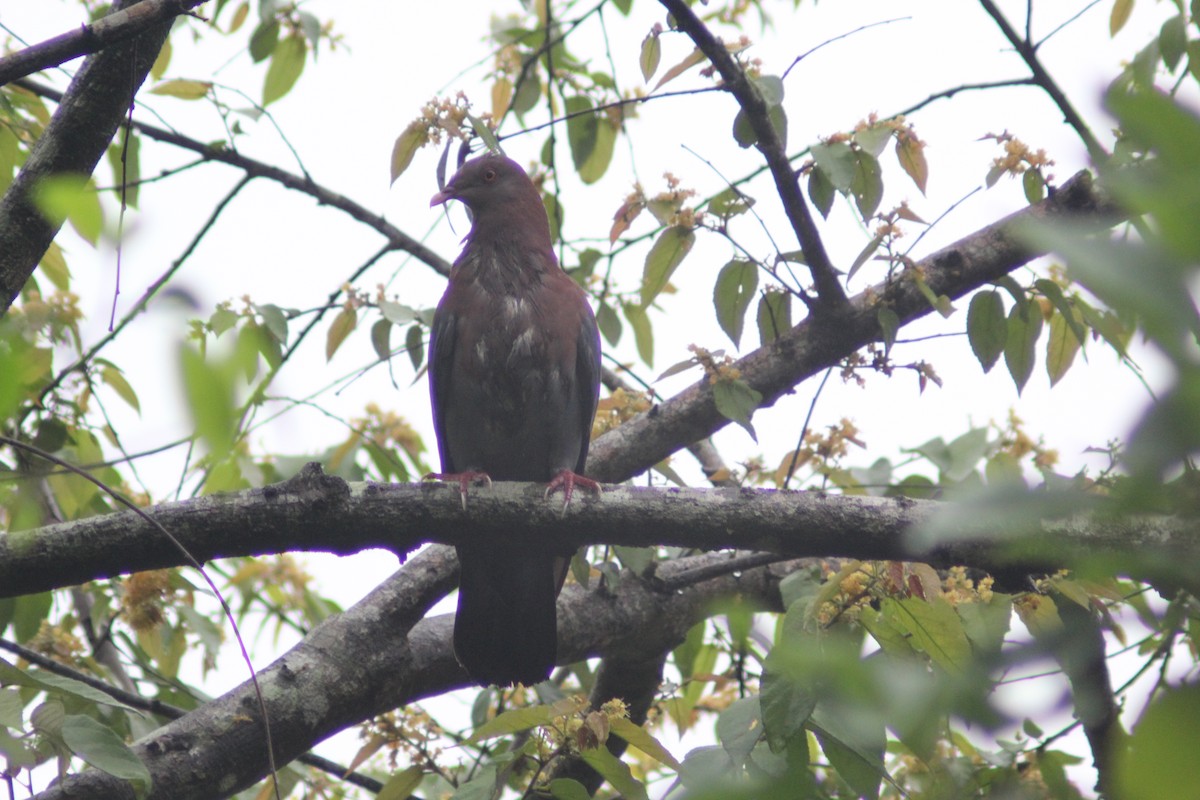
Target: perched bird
514,376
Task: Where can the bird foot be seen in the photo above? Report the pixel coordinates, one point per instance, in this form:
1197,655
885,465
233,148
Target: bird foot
567,481
463,479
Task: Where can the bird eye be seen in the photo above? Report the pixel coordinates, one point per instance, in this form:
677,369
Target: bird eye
489,175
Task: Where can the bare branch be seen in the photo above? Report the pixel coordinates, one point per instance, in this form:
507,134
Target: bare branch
398,239
829,289
1028,52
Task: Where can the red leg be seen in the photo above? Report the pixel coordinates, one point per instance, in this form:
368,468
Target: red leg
463,479
567,481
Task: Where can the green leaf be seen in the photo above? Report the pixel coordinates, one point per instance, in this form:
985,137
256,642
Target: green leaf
54,266
1020,347
837,160
737,401
512,721
865,254
774,315
854,748
867,183
650,56
889,325
287,62
609,323
262,41
414,343
667,253
820,191
730,202
736,284
275,321
567,789
30,611
343,324
1160,760
71,198
210,397
113,377
581,129
786,706
124,157
1060,348
743,130
1034,186
639,737
401,785
935,629
616,772
101,748
381,339
1054,293
739,728
643,333
987,328
406,146
528,92
183,88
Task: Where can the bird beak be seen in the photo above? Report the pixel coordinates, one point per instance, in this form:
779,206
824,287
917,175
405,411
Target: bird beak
441,197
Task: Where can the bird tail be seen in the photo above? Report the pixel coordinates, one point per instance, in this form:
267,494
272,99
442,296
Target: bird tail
506,630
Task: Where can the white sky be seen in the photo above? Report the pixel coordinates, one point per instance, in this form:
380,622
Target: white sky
278,247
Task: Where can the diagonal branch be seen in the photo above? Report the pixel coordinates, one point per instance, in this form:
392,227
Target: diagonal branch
829,290
254,168
111,29
1028,52
810,347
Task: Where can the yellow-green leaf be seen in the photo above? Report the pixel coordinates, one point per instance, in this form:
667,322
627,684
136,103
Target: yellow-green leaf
1024,327
113,377
1061,348
502,94
54,266
643,333
616,772
736,283
343,324
406,146
1120,15
696,57
736,400
73,198
987,329
239,17
402,784
640,738
668,252
162,61
287,62
183,88
650,56
517,719
911,152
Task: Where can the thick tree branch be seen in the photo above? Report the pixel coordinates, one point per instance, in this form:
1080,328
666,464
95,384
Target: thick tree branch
73,141
377,656
398,239
829,289
114,28
816,344
323,513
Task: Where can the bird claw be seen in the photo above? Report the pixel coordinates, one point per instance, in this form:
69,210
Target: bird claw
463,479
567,481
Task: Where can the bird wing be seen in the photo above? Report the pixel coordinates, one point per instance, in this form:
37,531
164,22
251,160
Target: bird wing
442,340
587,377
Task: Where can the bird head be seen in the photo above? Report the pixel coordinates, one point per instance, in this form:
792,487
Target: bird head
501,198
